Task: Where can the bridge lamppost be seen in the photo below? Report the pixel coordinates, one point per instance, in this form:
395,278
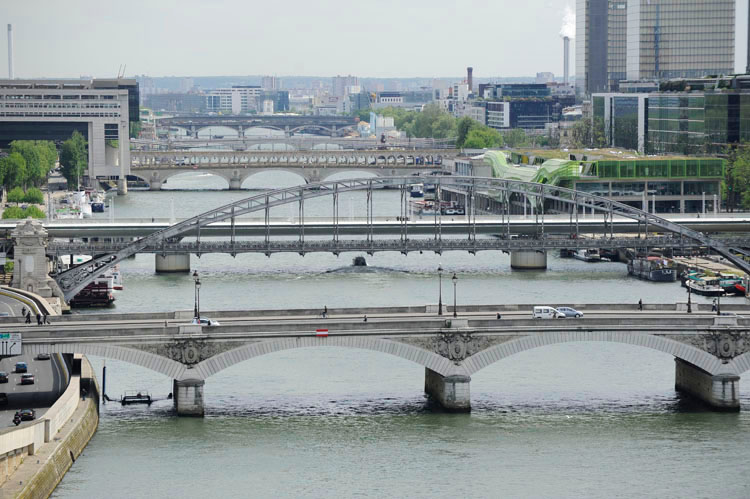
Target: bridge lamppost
197,308
454,279
440,289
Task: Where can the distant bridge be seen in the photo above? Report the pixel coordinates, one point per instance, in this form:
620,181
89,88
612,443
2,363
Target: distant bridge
288,124
74,280
314,166
710,351
295,143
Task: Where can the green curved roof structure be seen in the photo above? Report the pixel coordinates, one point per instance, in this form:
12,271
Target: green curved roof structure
552,171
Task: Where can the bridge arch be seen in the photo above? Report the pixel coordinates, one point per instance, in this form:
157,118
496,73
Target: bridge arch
417,355
741,363
75,279
693,355
297,172
158,177
152,361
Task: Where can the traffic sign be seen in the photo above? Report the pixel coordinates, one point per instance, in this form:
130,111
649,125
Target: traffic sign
10,344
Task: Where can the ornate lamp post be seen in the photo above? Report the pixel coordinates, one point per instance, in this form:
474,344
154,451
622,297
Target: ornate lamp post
440,289
197,308
454,279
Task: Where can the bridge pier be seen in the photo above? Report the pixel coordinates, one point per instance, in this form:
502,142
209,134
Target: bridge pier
719,391
528,259
451,392
235,184
172,263
188,397
122,186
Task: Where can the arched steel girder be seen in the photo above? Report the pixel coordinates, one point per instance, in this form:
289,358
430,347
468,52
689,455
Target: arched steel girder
74,280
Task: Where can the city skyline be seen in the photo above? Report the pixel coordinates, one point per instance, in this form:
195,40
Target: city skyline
176,39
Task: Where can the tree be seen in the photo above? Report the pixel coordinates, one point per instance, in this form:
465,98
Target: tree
463,126
16,195
13,170
40,157
515,138
736,184
13,213
33,212
74,158
581,133
135,129
483,137
34,195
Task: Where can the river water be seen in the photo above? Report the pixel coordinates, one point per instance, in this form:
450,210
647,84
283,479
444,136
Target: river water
572,420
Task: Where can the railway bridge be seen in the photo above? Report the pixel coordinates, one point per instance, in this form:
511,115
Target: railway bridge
711,352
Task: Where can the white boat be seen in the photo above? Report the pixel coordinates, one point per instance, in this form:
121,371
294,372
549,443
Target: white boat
416,191
116,277
589,255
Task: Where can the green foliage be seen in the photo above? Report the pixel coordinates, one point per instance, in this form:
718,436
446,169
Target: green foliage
483,137
463,126
16,195
581,133
40,157
431,122
135,129
9,267
74,158
13,213
33,212
18,213
736,184
364,114
113,143
34,195
13,170
515,138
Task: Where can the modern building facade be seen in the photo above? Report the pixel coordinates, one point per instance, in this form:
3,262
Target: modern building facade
651,39
680,38
100,109
236,100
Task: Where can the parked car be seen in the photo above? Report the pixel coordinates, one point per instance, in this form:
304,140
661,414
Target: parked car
21,367
27,379
26,414
570,312
3,377
547,313
43,356
204,321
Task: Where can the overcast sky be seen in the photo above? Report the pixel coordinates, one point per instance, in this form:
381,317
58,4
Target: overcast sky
382,38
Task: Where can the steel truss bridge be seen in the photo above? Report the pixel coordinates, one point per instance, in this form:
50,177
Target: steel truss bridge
505,191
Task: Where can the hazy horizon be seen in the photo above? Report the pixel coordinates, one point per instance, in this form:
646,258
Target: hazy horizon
184,38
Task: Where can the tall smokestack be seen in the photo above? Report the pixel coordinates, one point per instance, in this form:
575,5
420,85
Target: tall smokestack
10,51
469,78
566,55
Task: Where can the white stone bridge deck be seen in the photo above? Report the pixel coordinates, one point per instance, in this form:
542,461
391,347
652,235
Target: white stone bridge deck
711,351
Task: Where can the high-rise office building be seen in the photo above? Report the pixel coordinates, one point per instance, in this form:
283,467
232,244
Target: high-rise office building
680,38
651,39
340,84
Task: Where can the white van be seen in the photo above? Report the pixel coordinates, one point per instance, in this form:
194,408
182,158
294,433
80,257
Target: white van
547,313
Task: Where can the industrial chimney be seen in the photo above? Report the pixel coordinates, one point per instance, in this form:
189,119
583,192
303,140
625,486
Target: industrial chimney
469,78
10,51
566,55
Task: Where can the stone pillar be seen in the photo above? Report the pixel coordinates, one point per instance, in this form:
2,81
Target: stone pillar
166,264
30,267
451,392
124,145
235,183
528,259
719,391
188,397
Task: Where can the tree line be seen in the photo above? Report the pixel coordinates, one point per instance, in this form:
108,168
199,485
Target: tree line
434,122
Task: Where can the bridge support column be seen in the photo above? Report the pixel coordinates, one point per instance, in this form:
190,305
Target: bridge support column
122,186
528,259
719,391
235,184
451,392
172,263
188,397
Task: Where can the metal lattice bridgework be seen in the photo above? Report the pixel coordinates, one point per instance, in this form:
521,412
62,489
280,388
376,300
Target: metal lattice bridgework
74,280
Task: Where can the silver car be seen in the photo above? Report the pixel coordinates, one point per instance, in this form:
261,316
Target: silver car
570,312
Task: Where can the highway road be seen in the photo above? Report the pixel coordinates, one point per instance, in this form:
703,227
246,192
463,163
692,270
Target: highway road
50,377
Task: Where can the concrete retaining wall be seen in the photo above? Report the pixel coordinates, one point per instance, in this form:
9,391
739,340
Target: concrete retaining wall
67,450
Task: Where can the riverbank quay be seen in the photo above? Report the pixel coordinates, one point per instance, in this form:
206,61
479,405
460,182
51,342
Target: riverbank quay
36,455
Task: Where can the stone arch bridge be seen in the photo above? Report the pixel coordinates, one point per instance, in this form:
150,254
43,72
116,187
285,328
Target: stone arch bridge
710,351
155,167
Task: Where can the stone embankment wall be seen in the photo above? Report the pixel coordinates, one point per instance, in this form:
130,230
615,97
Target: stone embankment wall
66,442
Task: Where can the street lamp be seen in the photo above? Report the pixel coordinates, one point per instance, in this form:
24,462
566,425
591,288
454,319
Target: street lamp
197,308
440,289
454,279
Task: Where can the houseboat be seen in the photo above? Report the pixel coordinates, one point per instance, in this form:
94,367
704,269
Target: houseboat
653,268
